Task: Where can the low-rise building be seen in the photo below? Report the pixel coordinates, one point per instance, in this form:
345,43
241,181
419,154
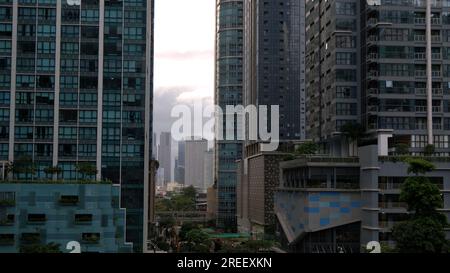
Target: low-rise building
339,204
39,213
257,178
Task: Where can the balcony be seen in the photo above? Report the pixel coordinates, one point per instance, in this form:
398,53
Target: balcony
390,186
372,38
373,91
420,91
437,91
420,73
437,109
68,200
7,239
372,21
421,109
37,218
81,219
7,202
392,205
373,73
419,38
436,56
420,20
8,220
372,56
372,108
420,56
436,73
436,38
91,238
435,21
30,238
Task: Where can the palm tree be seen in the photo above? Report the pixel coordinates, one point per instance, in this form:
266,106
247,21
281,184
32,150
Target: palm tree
354,133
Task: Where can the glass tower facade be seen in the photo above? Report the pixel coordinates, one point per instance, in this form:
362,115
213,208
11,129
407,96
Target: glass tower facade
228,91
76,87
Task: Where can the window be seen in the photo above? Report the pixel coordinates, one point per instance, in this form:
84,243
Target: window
88,116
345,58
88,133
68,132
345,42
345,109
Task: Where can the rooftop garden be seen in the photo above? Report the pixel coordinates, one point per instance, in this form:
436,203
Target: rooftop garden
25,170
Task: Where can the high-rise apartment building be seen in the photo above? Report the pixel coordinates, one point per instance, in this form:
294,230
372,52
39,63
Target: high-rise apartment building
228,91
165,155
75,87
332,66
383,64
274,66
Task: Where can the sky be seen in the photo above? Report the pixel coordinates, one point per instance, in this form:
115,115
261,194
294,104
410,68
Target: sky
184,56
184,59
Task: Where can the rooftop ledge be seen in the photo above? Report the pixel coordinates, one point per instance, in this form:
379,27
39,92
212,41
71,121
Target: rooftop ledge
50,181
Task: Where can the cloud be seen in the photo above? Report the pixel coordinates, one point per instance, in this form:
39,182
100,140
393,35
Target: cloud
186,55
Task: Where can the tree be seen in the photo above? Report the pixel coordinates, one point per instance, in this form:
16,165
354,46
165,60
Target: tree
419,166
23,165
429,150
189,192
53,170
401,149
38,248
424,231
86,169
198,241
307,148
354,131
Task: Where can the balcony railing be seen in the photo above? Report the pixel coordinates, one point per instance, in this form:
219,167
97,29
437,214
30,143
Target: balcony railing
436,38
420,56
437,91
373,73
421,108
420,73
373,91
372,38
419,20
419,38
435,21
420,91
436,56
437,109
392,205
435,73
372,56
372,21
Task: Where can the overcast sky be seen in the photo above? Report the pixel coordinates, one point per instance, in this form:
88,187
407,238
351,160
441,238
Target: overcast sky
184,56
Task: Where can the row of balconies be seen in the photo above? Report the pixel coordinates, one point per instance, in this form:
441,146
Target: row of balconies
416,38
417,20
417,91
418,56
417,73
419,109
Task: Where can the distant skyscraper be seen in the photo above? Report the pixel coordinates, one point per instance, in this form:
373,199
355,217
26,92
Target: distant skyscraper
228,91
208,169
164,155
195,156
180,163
76,86
154,147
